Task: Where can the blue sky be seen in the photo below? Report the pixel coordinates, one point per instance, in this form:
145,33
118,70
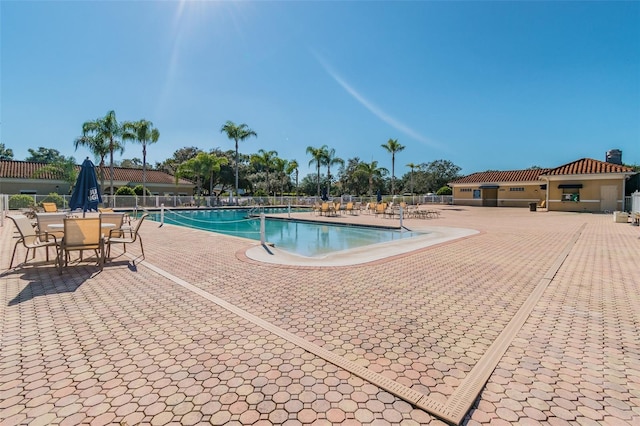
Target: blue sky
486,85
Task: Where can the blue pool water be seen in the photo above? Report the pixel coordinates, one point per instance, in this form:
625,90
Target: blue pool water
299,237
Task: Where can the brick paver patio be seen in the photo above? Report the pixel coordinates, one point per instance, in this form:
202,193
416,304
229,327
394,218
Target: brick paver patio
546,303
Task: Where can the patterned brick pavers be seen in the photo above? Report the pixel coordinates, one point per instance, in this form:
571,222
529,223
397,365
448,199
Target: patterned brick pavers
129,345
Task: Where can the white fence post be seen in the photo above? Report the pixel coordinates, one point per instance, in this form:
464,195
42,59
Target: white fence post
262,227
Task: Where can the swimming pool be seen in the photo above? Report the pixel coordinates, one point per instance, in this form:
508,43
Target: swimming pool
302,238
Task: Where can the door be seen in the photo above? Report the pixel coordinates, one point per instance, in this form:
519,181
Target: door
608,198
490,197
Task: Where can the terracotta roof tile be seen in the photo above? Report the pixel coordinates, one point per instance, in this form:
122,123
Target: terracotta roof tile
587,166
502,176
26,170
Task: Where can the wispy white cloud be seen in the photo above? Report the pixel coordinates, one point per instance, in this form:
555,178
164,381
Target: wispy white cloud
375,110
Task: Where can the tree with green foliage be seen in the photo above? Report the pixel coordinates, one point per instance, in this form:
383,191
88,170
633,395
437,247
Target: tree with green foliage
439,173
393,146
237,132
98,146
329,160
115,133
5,153
170,165
412,166
62,168
317,156
131,163
44,155
292,167
145,134
265,160
373,173
199,167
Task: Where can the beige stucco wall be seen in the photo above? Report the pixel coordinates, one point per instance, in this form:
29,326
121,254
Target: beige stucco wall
589,195
41,187
506,197
46,187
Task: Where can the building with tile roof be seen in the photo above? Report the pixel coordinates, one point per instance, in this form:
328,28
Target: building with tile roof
22,177
583,185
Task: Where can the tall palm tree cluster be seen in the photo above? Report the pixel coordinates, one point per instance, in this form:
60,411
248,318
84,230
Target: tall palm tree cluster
264,169
105,135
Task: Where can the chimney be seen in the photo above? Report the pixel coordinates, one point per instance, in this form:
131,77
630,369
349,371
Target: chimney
614,156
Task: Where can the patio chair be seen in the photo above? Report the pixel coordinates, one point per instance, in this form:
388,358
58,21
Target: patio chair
124,240
117,219
81,234
350,208
50,207
380,209
29,238
43,220
325,209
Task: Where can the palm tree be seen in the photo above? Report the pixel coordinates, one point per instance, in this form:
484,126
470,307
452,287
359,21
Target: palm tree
412,166
279,166
330,159
109,129
292,166
371,171
200,166
393,146
318,155
145,134
237,133
267,160
99,147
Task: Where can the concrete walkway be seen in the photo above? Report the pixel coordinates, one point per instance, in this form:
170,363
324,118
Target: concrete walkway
532,320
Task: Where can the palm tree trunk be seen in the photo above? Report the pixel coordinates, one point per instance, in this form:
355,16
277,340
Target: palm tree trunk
236,167
111,172
144,174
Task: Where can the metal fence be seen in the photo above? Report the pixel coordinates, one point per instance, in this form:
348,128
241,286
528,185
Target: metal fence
21,201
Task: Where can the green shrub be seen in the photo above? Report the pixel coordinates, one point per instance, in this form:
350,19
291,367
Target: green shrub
445,190
55,198
21,201
138,190
125,190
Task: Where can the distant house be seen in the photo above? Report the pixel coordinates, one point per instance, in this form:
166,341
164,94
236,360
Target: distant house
584,185
19,177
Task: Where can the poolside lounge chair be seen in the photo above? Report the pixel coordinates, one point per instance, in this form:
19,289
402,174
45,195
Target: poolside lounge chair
380,209
325,209
81,234
29,238
124,240
50,207
350,208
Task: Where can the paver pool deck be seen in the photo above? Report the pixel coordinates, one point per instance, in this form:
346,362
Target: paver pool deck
535,319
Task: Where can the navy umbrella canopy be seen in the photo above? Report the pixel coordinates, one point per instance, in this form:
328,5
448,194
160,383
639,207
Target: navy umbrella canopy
86,192
378,196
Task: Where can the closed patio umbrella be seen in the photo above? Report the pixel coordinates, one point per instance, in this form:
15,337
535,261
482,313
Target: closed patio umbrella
86,192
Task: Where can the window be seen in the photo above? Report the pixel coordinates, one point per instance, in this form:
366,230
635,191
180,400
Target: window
570,194
465,189
476,193
516,189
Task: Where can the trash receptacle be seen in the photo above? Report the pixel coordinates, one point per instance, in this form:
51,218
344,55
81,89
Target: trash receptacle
532,207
